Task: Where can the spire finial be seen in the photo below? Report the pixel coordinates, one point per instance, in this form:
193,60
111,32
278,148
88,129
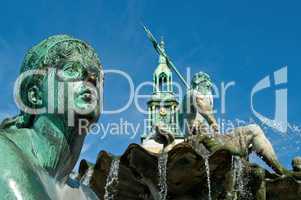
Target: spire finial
162,59
158,50
162,43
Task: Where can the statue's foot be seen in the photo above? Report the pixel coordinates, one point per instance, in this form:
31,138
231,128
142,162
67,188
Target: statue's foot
283,172
288,173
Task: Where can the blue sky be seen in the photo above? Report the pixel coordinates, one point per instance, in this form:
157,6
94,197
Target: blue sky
241,41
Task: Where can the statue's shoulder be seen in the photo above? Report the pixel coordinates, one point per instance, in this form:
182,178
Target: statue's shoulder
11,157
16,133
19,171
15,142
9,138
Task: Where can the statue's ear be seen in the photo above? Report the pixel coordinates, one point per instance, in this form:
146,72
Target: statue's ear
34,96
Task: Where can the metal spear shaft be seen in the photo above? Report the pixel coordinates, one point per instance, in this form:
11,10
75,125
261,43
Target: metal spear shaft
161,52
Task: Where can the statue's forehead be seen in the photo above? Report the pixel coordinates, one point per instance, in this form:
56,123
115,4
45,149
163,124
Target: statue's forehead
83,61
201,78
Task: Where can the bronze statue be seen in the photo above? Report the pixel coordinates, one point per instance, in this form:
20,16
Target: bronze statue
39,149
241,141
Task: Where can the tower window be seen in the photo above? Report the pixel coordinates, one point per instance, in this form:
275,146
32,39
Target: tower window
163,86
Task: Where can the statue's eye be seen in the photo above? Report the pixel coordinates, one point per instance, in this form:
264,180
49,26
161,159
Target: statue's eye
71,71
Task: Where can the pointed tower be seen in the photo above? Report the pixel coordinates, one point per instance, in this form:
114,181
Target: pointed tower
162,107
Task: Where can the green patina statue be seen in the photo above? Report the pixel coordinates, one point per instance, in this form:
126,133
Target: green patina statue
40,146
192,117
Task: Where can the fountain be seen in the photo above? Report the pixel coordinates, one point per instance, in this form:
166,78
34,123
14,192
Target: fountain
112,180
42,175
162,168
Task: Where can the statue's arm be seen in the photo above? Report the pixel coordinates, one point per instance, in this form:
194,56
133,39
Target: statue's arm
18,179
206,111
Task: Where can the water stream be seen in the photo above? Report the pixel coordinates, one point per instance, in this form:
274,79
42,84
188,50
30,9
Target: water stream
112,180
205,154
87,177
239,175
208,176
240,180
162,167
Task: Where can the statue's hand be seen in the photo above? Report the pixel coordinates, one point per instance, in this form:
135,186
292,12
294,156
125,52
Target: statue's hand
163,136
205,108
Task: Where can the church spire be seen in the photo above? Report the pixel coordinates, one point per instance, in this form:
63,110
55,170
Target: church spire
162,74
162,107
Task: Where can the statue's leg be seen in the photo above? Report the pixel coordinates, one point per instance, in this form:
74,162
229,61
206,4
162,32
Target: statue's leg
255,138
227,142
240,141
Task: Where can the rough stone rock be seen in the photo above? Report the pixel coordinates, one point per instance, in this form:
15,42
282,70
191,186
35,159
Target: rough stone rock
186,175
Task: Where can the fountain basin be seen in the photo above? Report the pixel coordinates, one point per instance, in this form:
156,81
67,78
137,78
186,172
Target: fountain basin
186,175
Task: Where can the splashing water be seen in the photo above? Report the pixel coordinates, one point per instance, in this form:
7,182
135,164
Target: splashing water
238,170
112,180
233,169
162,167
208,176
240,180
87,177
201,149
